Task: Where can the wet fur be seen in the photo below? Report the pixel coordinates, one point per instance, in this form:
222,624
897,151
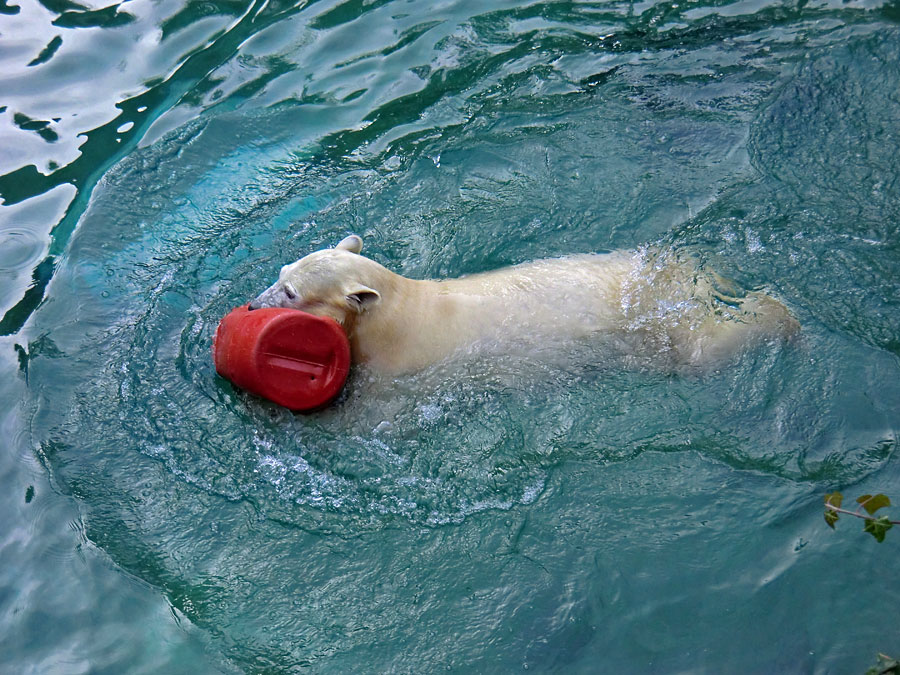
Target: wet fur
647,304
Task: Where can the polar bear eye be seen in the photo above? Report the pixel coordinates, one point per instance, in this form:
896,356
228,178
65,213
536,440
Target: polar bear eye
289,292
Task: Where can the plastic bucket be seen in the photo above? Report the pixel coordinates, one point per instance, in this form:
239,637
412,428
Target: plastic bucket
295,359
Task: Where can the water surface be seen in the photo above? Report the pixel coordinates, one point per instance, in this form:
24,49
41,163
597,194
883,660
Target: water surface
161,160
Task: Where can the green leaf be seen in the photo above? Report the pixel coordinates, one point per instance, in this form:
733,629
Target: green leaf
872,504
831,517
885,666
877,527
834,499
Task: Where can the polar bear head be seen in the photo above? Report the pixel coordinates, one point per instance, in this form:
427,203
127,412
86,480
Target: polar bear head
336,282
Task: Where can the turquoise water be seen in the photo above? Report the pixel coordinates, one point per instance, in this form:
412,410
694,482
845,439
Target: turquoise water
557,513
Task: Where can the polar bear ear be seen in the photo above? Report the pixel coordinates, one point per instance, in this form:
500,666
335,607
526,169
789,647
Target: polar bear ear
353,243
361,297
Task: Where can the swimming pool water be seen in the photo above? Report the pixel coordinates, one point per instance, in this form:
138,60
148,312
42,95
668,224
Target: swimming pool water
556,512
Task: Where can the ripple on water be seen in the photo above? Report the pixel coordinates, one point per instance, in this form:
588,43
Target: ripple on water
458,440
222,500
19,248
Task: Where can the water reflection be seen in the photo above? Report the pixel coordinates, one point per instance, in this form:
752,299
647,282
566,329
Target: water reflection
167,158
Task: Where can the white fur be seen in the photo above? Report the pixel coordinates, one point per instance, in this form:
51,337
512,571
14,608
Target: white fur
647,304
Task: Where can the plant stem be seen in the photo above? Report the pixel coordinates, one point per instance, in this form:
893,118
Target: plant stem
858,514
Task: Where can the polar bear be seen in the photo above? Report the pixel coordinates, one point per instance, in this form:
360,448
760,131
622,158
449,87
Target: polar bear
644,303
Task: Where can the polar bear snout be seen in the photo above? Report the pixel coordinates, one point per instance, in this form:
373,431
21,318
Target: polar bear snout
276,295
325,282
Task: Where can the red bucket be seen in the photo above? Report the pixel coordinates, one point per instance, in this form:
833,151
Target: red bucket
295,359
